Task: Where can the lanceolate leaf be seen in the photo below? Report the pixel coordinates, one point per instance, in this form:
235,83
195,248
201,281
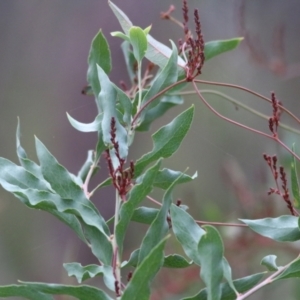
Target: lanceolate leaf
215,48
187,232
138,41
138,287
159,228
126,104
60,179
281,229
176,261
145,215
22,291
293,271
107,102
165,78
129,60
86,166
228,274
12,175
122,18
82,292
210,251
242,285
83,127
83,273
25,162
295,181
167,139
99,55
157,52
94,228
165,177
136,196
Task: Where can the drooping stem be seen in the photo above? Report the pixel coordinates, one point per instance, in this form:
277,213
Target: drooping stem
272,137
225,118
248,91
239,104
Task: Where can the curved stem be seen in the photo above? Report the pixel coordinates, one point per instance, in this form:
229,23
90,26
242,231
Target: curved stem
240,104
274,138
227,119
248,91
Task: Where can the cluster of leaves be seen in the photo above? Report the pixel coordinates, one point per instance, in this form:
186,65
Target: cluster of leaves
50,187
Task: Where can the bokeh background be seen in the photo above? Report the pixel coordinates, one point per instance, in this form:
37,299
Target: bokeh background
43,61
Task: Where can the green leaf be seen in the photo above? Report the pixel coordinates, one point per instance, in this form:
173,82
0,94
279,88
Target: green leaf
138,287
292,271
136,196
82,292
295,181
133,259
95,228
215,48
129,60
86,166
107,103
281,229
99,55
171,261
228,274
121,35
122,18
159,54
159,228
19,181
145,215
147,29
176,261
22,291
167,140
165,103
138,41
190,238
126,105
12,175
165,78
83,127
26,163
210,249
83,273
269,261
166,176
242,285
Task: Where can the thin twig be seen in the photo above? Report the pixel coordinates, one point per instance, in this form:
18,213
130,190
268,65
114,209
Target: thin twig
241,105
248,91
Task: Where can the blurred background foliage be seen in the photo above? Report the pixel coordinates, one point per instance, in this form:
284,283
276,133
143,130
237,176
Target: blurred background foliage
43,54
